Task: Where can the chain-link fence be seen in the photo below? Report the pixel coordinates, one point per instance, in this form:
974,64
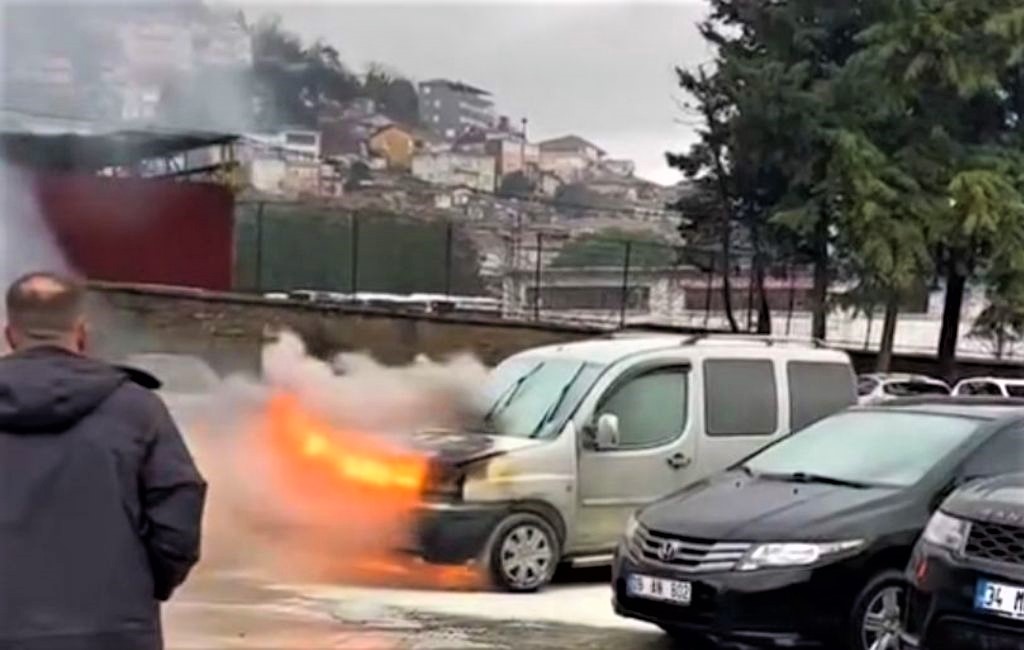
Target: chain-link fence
551,273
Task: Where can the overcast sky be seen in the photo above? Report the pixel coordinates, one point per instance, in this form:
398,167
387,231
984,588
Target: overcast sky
602,70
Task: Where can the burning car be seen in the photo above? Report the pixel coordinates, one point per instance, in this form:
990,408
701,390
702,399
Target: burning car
570,439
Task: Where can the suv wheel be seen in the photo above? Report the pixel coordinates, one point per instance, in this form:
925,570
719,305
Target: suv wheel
878,613
523,553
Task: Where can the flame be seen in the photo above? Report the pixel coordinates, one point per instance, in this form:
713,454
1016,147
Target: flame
327,503
353,457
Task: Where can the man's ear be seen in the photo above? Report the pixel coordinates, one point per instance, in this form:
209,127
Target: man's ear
9,338
81,341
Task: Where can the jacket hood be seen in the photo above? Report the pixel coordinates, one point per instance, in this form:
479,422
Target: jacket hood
47,390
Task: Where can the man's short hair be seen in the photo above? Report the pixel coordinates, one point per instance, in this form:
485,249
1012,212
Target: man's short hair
43,306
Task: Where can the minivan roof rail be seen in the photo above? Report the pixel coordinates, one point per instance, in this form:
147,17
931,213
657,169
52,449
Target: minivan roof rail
694,337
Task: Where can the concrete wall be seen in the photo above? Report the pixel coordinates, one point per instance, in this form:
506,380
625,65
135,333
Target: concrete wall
229,330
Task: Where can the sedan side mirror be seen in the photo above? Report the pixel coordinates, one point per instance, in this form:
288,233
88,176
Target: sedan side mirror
607,434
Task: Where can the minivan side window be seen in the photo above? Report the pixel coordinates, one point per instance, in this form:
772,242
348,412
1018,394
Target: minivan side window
817,390
740,397
651,407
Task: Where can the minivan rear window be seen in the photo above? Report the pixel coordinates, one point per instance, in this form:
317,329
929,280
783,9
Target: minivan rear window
817,390
740,397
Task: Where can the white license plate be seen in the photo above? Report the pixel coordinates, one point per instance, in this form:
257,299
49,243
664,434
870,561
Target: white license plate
667,591
1002,599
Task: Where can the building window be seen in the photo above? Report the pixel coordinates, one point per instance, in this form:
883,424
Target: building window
437,103
426,90
301,139
609,298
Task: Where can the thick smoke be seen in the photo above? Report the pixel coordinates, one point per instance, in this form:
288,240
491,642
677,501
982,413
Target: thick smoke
273,511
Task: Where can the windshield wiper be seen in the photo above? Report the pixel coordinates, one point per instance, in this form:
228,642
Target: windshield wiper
550,413
808,477
510,394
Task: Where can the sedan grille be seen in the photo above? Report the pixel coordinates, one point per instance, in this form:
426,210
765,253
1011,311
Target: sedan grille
689,553
996,543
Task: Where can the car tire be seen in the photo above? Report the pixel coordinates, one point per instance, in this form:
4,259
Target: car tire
877,613
523,553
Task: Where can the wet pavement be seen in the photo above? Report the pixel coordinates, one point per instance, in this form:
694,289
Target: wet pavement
238,611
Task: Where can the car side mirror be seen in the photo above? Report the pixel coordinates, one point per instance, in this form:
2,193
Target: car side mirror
606,436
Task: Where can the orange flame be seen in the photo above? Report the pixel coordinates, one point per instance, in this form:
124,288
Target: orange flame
350,497
352,457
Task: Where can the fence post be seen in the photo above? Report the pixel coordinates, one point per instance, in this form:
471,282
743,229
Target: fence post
750,296
354,255
624,298
536,277
259,247
448,236
792,301
707,294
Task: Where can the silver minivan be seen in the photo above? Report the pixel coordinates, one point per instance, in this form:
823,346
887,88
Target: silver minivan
575,437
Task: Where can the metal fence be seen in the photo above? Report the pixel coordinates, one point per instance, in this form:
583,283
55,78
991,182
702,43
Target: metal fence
547,272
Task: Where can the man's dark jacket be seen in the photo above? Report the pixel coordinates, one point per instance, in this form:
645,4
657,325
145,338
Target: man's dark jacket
100,505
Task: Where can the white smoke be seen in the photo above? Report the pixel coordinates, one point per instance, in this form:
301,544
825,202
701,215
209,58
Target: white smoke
264,517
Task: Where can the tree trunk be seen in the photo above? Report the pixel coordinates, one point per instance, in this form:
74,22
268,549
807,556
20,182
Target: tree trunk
956,282
892,312
764,312
727,284
819,294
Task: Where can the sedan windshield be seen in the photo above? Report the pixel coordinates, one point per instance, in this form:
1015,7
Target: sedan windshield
884,448
526,397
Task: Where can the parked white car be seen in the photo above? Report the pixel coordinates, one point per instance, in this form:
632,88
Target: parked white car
990,387
881,387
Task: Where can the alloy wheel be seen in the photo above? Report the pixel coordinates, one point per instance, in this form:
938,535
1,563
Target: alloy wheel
880,629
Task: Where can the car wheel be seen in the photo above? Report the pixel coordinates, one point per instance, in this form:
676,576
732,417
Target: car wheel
524,553
878,613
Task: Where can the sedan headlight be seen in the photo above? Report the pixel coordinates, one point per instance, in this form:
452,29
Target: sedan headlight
791,554
946,532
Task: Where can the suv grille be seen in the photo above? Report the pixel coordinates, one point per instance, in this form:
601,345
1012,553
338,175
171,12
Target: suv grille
996,543
688,553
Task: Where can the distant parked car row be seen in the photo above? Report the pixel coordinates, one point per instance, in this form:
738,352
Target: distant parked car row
881,387
431,303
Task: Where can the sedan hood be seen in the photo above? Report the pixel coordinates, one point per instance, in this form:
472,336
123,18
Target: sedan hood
736,507
459,447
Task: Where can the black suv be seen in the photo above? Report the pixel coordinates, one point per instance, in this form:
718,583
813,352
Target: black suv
968,571
807,541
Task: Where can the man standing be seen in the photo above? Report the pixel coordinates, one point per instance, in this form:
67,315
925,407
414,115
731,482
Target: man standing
100,501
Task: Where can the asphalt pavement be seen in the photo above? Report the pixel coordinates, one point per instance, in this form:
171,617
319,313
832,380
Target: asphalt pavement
242,611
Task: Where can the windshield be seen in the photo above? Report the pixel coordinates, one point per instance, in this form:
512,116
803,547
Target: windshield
913,388
865,385
1015,390
528,396
890,448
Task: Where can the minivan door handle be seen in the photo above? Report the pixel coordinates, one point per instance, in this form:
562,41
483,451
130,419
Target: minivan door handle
679,461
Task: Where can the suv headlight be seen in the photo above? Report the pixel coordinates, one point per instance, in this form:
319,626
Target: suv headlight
792,554
632,528
946,532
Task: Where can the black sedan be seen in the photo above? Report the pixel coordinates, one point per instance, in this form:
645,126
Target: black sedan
806,542
967,574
